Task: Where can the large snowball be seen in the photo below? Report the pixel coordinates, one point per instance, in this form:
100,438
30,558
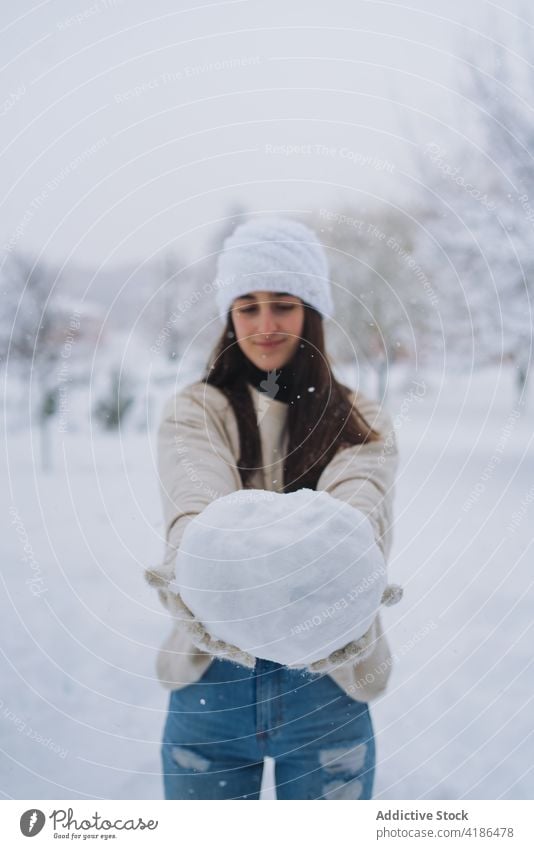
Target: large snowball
286,577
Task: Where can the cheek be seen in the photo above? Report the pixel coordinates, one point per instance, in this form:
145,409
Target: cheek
297,325
240,327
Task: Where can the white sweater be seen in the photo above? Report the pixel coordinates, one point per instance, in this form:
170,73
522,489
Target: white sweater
198,450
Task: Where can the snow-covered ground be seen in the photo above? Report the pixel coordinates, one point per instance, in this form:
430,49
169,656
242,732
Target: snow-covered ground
81,713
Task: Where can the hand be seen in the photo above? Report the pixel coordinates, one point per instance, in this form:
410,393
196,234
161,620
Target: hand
202,638
357,650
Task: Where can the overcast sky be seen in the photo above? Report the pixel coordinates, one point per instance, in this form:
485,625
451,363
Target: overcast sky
131,128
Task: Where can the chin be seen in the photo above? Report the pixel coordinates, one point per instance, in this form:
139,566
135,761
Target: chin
269,360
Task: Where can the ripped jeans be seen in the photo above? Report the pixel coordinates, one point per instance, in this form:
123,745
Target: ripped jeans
219,729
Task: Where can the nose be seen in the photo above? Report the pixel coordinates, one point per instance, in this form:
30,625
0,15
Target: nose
267,321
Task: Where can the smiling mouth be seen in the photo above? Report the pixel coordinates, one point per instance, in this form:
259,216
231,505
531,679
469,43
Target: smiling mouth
270,344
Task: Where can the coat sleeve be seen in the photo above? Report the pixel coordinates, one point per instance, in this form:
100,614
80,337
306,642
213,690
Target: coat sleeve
364,475
195,463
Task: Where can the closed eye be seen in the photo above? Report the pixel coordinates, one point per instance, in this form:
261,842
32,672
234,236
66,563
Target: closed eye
277,307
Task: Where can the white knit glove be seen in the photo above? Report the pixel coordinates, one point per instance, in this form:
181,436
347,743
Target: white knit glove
357,650
196,630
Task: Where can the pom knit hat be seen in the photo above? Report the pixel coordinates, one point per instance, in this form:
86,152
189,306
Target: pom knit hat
273,254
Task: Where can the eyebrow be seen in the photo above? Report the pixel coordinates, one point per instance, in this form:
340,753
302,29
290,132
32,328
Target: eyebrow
253,297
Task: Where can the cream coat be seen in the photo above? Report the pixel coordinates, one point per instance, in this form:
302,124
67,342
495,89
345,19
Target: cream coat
198,449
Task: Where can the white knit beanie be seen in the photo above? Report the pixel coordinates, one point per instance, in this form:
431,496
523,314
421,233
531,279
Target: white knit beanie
273,254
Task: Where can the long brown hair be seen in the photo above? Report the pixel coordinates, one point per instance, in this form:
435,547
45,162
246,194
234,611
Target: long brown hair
323,421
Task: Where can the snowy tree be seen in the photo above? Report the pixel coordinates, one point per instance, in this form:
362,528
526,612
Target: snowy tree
173,335
111,409
478,217
382,305
506,121
29,318
31,333
236,214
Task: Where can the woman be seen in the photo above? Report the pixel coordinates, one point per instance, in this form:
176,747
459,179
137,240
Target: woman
270,415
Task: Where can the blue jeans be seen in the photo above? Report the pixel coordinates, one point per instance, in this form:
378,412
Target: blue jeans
219,729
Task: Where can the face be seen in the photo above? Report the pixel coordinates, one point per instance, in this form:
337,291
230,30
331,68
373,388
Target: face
268,327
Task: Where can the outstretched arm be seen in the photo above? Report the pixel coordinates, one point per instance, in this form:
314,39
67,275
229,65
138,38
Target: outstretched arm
196,465
364,475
